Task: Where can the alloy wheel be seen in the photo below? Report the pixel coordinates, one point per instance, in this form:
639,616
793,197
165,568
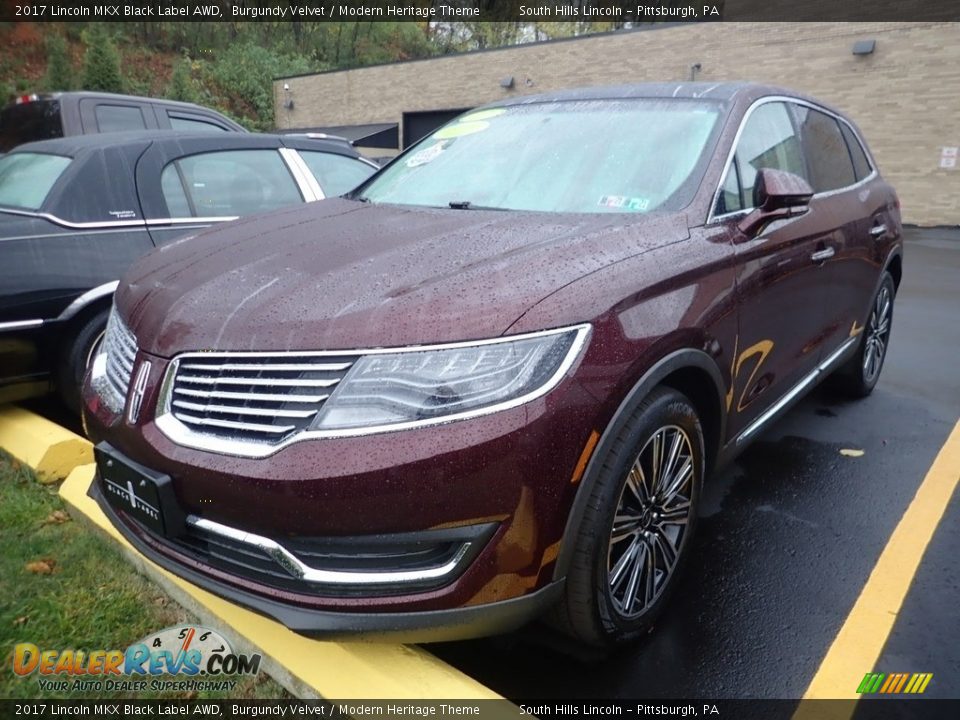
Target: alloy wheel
651,521
878,333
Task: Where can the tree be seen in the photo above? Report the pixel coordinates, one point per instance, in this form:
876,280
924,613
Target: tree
59,67
182,86
101,63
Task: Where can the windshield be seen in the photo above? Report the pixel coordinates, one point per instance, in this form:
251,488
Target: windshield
572,156
26,178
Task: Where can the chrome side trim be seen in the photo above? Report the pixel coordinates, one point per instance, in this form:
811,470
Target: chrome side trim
105,224
309,187
88,297
300,570
185,437
20,325
795,391
711,218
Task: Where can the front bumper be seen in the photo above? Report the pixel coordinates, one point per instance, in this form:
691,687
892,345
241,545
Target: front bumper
512,471
425,626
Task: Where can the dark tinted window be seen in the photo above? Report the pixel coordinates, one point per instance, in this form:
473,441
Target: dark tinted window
825,149
860,163
29,121
184,123
26,178
768,141
231,183
117,118
336,174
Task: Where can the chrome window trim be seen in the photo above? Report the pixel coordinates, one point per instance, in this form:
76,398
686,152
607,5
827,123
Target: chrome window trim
712,219
88,297
185,437
309,186
95,225
301,571
20,325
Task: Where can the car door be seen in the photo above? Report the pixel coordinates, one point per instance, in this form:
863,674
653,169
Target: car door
849,192
189,184
780,278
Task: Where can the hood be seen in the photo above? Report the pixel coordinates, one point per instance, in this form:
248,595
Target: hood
341,274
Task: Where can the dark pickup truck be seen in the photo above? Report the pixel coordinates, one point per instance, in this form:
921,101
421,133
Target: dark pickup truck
43,117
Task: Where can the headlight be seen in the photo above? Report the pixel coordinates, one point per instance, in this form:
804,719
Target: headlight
450,382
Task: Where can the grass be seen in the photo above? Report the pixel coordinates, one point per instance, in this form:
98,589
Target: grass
63,586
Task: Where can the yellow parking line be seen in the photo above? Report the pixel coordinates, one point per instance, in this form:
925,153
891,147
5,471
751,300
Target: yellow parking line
858,645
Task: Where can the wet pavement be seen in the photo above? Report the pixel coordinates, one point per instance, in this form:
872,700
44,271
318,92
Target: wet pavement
789,535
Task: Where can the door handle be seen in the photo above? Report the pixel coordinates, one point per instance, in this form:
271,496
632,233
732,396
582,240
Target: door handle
821,255
878,231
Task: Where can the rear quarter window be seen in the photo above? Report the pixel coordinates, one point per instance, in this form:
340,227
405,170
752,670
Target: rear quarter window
27,178
337,174
117,118
860,163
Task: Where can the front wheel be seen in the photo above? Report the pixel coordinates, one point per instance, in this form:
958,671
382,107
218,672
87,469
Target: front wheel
636,532
860,375
76,356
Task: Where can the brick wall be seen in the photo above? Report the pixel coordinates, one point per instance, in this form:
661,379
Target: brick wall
905,96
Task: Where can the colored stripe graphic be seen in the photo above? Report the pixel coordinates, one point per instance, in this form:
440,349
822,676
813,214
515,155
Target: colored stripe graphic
894,683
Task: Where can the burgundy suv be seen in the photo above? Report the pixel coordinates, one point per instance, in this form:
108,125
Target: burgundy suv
490,382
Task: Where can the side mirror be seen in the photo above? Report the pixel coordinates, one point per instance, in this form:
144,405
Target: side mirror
777,195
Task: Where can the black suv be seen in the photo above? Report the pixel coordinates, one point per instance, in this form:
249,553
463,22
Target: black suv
42,117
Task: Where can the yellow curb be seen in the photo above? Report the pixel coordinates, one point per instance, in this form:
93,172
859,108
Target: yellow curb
45,446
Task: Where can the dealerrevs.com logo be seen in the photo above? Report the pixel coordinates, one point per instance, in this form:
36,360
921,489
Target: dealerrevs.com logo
197,654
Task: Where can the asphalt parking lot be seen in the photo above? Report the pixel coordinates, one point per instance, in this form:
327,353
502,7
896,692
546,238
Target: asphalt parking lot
790,535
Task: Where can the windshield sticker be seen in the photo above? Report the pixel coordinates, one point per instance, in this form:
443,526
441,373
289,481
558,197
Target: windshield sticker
468,124
622,202
422,157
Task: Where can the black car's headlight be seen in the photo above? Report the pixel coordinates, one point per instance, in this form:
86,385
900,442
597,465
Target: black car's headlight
446,382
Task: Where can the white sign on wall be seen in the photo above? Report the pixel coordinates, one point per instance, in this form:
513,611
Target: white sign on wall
948,158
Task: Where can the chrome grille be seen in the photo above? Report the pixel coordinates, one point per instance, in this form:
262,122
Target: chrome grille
259,397
120,347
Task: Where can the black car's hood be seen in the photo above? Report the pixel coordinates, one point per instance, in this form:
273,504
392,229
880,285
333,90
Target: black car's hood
342,274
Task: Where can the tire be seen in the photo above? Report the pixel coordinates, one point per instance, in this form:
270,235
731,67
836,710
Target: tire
76,354
613,593
860,374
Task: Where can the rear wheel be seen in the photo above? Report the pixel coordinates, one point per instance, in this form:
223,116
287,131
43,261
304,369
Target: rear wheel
76,356
635,534
860,375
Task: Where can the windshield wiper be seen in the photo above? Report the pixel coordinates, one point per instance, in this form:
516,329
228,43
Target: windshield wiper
467,205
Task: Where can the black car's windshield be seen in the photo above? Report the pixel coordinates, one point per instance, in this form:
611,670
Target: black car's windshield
590,156
26,178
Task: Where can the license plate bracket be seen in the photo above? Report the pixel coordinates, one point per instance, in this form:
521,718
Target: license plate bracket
142,493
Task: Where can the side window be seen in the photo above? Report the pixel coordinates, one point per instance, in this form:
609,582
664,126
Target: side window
768,141
337,174
117,118
192,124
177,204
729,199
860,163
232,183
830,165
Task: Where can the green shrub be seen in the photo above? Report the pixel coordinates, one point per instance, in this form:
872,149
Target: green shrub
60,74
101,63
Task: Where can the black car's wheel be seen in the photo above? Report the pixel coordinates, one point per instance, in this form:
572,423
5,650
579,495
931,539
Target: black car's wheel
636,532
76,354
860,374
